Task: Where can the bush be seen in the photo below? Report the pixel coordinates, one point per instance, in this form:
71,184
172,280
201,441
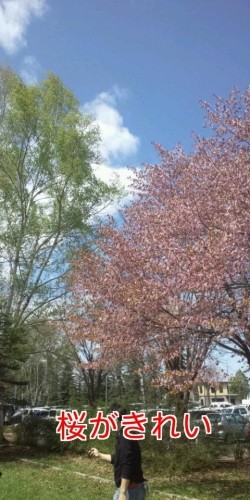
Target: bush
31,429
38,432
180,455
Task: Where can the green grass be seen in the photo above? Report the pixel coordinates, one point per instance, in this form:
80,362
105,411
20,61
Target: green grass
219,485
21,480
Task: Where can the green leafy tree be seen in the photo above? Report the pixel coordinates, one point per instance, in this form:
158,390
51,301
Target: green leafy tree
49,195
11,352
50,369
239,384
12,355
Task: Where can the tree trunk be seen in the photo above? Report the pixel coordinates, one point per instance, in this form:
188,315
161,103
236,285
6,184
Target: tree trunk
1,425
181,403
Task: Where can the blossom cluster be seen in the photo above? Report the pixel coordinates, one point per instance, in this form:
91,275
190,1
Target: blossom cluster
73,425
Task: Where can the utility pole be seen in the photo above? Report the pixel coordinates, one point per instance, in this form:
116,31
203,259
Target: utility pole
106,391
228,385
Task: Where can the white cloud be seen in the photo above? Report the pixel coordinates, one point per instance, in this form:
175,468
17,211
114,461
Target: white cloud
123,178
109,174
117,140
118,143
15,16
29,70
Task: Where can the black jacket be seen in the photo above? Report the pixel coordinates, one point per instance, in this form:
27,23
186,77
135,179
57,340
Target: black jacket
127,460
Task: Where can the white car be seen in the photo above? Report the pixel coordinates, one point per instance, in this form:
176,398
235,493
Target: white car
55,412
219,405
24,413
238,410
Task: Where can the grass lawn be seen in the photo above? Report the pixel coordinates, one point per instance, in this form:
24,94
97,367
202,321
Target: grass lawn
22,480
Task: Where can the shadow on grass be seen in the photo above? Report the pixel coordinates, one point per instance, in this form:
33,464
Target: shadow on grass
228,483
12,452
223,488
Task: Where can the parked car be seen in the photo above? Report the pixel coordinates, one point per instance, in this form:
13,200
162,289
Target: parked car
55,412
16,418
220,404
226,427
31,413
196,414
244,407
26,413
247,408
238,410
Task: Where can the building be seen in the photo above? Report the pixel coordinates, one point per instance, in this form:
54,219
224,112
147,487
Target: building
205,394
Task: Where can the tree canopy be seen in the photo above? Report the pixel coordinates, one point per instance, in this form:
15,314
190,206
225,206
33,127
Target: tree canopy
49,195
239,385
174,279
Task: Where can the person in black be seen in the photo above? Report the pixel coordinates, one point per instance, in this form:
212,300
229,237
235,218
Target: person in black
126,461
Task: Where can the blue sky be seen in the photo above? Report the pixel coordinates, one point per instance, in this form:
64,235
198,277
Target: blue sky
155,59
139,66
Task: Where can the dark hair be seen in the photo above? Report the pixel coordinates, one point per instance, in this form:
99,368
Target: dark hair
120,409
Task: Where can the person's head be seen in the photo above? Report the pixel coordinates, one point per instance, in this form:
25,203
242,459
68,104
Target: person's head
120,410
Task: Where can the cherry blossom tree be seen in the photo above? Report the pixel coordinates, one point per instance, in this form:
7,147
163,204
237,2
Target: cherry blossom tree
174,280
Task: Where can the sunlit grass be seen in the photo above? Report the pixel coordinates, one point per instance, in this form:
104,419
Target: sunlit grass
22,480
